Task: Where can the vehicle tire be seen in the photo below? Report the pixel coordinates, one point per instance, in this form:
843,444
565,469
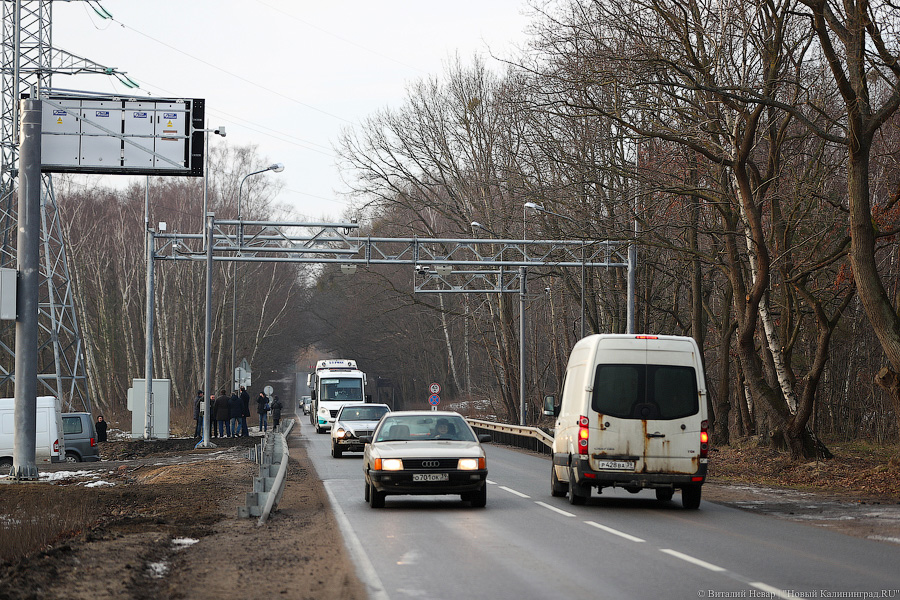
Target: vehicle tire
479,499
71,457
664,494
690,497
335,451
319,429
5,466
366,495
558,489
578,494
376,498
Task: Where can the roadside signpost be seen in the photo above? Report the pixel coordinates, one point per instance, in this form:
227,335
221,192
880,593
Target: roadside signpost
434,399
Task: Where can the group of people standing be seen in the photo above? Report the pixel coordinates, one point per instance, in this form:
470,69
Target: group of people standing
228,415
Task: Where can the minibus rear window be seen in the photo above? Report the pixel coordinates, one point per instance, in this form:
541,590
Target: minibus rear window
631,391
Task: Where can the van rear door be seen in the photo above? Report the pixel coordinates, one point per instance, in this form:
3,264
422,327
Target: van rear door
647,407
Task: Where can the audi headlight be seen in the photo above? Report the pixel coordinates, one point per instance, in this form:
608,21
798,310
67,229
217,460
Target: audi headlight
392,464
471,464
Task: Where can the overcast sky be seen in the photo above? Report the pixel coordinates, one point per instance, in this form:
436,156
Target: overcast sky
285,75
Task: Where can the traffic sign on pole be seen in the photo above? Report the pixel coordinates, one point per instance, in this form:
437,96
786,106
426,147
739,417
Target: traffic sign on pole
435,388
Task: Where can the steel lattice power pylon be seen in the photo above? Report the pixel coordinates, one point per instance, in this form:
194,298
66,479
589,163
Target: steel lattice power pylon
29,61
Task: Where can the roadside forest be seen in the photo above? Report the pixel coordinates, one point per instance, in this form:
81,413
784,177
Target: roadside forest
748,151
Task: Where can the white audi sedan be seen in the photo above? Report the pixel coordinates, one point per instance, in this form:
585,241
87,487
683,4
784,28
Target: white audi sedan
352,422
425,453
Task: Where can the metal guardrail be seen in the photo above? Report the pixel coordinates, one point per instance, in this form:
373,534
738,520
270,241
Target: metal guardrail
272,457
530,438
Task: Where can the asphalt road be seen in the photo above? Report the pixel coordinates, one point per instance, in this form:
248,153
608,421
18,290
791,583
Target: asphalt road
527,544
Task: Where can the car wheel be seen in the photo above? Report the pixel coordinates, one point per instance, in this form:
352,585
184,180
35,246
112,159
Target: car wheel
367,492
479,499
5,466
690,497
335,451
664,494
578,494
376,498
558,489
71,457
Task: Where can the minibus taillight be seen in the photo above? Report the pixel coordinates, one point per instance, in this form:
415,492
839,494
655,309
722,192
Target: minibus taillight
583,435
704,439
646,337
56,446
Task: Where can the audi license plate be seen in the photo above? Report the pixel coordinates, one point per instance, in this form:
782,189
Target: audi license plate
616,465
431,477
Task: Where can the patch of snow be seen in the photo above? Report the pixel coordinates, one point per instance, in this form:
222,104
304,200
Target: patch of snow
98,484
158,570
182,543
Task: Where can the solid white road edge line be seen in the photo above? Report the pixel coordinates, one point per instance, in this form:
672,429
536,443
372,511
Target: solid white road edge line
614,531
512,491
554,509
367,572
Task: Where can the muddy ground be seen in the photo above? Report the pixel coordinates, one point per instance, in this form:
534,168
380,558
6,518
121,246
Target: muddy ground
162,522
168,528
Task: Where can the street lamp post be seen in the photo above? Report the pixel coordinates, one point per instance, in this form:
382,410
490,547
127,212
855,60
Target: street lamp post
538,208
276,168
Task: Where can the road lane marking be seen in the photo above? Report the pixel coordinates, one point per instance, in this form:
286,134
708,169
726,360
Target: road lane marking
614,531
554,509
691,559
512,491
366,571
490,482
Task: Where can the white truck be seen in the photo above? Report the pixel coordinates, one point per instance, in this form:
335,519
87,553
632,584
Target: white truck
336,382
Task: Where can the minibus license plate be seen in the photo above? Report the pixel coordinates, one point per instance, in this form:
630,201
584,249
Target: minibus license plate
618,465
431,477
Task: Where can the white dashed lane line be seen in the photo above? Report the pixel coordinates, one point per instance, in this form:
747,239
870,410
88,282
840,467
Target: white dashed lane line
512,491
774,592
621,534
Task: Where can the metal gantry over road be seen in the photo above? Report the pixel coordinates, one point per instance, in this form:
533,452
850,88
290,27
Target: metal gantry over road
444,265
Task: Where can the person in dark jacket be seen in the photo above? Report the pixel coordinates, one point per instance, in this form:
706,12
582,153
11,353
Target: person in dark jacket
223,414
198,415
262,407
100,426
276,407
245,411
212,415
235,409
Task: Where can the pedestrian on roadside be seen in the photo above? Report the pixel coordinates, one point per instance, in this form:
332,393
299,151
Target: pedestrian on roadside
212,416
276,412
262,408
100,426
235,409
223,414
245,411
198,415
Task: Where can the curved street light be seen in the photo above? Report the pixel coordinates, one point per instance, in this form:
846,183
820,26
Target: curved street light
275,168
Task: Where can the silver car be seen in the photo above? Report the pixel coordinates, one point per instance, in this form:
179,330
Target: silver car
425,453
352,422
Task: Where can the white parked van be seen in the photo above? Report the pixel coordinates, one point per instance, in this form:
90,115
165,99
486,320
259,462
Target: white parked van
49,442
632,415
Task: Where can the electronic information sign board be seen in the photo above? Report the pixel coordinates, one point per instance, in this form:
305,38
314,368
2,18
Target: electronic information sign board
126,136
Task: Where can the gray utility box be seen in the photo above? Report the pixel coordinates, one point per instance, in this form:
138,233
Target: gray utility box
159,422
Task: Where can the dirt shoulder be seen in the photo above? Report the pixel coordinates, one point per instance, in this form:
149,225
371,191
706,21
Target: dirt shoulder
168,528
857,492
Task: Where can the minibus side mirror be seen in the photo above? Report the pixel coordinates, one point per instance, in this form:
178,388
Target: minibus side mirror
551,408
